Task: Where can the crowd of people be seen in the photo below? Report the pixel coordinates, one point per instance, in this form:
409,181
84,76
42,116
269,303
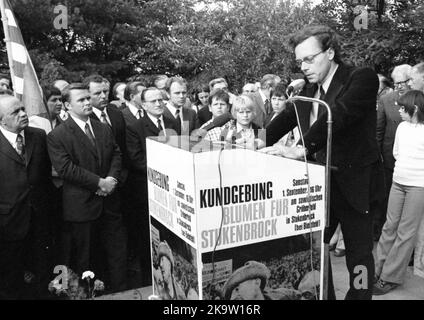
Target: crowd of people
74,187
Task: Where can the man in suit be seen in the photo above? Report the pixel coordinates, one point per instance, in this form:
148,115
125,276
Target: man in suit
388,119
133,110
24,199
87,158
351,93
185,118
154,123
262,99
416,81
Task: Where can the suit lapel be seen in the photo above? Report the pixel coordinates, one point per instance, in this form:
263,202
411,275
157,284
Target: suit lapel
336,84
29,144
81,136
100,138
7,149
151,128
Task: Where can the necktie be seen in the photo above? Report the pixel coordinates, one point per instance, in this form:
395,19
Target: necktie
160,125
139,114
321,108
20,148
178,119
268,108
90,135
103,118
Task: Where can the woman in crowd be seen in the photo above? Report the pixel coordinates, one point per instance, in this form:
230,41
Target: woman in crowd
279,103
201,104
240,130
406,200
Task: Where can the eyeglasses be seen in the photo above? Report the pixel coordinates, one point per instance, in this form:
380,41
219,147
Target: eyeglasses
308,60
401,83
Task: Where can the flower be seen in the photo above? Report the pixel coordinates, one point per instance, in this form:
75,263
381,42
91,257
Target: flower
87,274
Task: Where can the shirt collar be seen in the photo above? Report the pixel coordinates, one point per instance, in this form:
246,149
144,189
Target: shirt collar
98,113
326,84
81,123
155,120
263,96
134,109
239,127
173,109
11,136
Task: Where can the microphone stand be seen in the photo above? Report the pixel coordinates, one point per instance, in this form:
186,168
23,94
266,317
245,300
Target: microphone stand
327,180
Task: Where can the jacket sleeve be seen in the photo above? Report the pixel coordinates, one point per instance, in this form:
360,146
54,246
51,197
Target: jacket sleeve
66,169
351,107
280,125
381,124
136,146
116,162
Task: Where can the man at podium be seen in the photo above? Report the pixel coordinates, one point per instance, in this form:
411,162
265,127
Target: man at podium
351,93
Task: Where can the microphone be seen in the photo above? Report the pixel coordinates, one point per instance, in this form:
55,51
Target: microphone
295,86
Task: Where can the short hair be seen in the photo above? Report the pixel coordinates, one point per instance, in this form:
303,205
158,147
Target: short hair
219,94
213,82
143,93
115,88
411,100
131,88
172,80
269,81
402,70
242,101
326,36
49,91
419,67
279,90
158,78
384,80
96,78
66,92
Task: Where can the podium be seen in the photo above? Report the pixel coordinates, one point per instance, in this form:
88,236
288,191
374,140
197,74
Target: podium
232,223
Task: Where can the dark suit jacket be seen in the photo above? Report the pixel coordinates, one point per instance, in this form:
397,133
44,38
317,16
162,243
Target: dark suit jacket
388,119
81,166
188,115
204,115
128,116
261,116
352,98
119,132
23,186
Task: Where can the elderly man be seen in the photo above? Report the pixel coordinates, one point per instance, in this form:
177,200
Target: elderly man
388,119
24,198
185,119
249,88
355,182
172,290
248,283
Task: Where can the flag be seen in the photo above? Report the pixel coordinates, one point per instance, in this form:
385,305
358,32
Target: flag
24,79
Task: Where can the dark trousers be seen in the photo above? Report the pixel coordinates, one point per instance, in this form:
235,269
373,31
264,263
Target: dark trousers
357,232
85,242
11,269
381,210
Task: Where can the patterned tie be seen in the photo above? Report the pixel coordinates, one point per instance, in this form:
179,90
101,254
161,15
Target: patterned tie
139,114
267,106
103,118
90,135
20,148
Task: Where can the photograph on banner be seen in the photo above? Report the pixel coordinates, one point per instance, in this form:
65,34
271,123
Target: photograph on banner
282,269
174,265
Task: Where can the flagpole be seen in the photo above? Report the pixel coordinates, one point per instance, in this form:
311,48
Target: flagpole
7,40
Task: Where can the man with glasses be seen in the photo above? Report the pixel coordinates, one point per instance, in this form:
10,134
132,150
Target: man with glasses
351,93
388,119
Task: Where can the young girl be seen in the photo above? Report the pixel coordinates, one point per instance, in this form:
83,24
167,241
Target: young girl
240,130
406,200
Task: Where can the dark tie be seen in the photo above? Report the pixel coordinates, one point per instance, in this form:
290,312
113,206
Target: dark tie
139,114
160,125
90,135
321,108
20,148
103,118
178,119
268,108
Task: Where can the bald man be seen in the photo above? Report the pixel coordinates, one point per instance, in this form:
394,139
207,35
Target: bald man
25,172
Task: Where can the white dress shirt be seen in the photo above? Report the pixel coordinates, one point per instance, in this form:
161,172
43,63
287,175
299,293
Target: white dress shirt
134,110
98,114
11,137
82,124
155,121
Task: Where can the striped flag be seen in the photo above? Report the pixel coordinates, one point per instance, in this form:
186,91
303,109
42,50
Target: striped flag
24,79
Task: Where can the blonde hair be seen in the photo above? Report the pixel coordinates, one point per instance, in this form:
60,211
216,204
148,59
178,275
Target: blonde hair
243,102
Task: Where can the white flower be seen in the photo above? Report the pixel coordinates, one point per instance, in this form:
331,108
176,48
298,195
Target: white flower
87,274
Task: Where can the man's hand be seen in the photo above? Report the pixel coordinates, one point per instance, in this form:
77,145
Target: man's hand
107,185
294,152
